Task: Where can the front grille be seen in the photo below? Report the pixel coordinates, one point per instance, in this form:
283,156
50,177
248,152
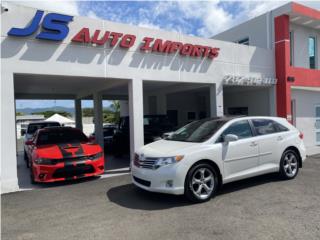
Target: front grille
142,182
149,163
73,171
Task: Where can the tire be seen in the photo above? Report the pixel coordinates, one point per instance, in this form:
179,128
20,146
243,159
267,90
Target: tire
201,178
32,176
289,165
26,159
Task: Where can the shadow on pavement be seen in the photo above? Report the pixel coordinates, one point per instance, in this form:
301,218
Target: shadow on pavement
130,196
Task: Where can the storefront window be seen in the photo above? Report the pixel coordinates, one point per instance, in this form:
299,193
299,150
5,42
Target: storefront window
312,52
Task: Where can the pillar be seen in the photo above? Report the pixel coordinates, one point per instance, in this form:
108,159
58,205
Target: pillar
216,100
9,178
136,115
98,118
78,113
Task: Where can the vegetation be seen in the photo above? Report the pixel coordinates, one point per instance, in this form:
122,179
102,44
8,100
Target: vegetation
110,115
19,114
48,114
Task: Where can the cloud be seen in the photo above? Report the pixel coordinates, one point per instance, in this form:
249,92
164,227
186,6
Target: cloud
60,6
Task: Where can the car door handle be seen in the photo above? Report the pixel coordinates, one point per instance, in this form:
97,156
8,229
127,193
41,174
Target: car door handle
253,144
279,138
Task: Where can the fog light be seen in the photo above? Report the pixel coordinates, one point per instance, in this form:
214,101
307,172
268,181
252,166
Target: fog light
169,183
41,176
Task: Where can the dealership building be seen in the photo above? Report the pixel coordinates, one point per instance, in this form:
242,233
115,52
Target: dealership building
266,66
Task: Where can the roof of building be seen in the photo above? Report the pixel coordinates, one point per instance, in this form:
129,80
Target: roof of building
30,117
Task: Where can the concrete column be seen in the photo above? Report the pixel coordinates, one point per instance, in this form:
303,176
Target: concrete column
124,108
216,100
272,101
162,103
78,113
98,118
9,179
136,115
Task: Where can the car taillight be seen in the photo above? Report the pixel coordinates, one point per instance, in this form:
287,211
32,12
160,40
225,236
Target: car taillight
301,135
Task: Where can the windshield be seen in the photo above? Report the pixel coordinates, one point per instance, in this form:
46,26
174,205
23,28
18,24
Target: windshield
32,128
61,136
198,131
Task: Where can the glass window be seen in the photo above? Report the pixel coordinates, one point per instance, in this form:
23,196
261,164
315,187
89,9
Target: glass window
33,127
291,48
61,136
264,126
198,131
241,129
244,41
312,52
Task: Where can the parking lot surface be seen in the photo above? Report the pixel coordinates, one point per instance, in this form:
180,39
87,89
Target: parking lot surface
263,207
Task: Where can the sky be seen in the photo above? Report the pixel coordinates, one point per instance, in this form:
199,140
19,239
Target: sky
196,18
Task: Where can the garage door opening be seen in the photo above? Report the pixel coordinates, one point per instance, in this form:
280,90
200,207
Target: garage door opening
101,94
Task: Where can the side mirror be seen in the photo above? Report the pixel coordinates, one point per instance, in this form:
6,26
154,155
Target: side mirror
230,138
29,142
22,132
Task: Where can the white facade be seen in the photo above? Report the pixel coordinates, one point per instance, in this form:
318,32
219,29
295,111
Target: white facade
38,69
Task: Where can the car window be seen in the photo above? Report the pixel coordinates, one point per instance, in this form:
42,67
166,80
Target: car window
61,136
264,126
32,128
280,127
241,129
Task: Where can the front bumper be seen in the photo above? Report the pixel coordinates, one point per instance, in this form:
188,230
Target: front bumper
166,179
68,171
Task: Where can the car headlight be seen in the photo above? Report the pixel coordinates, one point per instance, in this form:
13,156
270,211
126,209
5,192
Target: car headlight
96,156
46,161
167,160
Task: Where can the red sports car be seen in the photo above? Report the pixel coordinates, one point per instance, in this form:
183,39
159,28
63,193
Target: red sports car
63,153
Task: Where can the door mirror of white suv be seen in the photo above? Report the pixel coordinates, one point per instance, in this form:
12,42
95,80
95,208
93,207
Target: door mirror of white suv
230,138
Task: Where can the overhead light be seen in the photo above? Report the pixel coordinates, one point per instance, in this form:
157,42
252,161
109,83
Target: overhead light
295,18
307,22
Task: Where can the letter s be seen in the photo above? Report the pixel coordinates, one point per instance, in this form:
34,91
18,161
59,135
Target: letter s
23,32
55,26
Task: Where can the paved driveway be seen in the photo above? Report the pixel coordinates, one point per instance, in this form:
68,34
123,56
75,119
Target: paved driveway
259,208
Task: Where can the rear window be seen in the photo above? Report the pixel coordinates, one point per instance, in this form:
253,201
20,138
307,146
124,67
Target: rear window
33,127
61,136
267,126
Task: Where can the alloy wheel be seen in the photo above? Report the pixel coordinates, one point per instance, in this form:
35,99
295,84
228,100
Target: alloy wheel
202,183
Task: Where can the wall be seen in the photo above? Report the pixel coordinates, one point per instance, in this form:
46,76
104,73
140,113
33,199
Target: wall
186,102
301,45
305,116
256,100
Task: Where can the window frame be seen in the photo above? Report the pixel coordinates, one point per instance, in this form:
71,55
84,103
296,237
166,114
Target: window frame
315,51
274,123
220,138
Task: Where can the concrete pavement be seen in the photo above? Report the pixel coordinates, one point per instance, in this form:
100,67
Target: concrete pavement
263,208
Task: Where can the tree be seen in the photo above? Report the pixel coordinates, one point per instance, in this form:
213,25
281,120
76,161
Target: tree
87,112
48,114
19,113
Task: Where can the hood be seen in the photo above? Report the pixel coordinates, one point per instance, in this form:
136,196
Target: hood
58,151
165,148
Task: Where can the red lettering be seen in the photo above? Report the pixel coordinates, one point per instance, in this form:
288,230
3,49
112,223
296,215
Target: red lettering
83,36
115,37
102,40
175,46
186,49
127,41
159,46
214,52
196,51
205,51
146,46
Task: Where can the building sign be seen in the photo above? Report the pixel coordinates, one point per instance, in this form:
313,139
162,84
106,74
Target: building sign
248,81
55,28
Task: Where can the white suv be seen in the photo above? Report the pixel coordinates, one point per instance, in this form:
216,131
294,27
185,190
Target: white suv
199,157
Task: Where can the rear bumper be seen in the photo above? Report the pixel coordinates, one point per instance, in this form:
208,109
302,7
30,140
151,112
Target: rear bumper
62,171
